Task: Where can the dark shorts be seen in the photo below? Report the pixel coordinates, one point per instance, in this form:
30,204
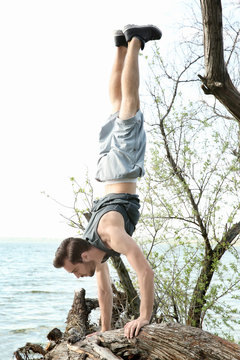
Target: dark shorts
122,148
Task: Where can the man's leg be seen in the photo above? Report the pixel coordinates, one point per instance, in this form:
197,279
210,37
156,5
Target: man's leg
130,81
115,89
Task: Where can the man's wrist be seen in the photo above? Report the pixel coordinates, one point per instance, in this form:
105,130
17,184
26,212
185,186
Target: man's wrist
144,318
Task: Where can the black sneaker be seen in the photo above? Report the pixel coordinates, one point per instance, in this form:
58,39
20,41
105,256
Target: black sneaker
144,33
119,38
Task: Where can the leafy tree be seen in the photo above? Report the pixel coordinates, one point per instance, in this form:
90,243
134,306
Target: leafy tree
190,221
192,189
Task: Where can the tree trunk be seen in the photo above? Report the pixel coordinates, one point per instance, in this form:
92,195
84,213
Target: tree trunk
211,258
217,80
198,299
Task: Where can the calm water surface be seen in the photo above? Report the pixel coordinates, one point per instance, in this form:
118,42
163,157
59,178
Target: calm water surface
34,296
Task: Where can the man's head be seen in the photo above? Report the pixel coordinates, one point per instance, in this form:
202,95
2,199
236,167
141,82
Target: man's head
72,254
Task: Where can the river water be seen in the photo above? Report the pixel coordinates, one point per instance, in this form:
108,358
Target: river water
35,297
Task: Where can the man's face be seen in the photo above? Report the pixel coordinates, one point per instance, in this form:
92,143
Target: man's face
80,269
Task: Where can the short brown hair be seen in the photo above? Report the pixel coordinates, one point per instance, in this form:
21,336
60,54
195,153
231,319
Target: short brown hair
71,249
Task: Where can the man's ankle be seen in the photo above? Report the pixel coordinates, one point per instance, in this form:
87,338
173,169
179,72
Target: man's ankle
136,42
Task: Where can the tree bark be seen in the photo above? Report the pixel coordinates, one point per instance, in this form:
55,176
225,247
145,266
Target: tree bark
217,80
77,320
156,341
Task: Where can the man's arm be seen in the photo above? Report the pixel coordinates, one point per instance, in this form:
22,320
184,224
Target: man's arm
145,277
113,233
105,297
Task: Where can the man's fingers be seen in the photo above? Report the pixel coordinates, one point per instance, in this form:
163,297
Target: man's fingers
137,330
129,330
132,328
126,330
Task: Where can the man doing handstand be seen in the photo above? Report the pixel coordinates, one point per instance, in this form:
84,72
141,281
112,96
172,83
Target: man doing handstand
121,162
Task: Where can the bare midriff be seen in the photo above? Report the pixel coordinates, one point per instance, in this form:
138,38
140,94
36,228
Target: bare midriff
118,188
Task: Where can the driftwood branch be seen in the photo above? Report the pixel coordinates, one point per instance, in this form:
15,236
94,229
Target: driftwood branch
168,341
156,341
171,341
77,320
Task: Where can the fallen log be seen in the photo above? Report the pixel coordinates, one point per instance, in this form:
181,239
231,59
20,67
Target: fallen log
166,341
156,341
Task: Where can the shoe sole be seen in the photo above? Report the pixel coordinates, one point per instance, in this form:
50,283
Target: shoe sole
157,34
118,33
119,38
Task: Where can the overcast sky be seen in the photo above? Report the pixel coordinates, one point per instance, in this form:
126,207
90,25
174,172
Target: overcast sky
55,62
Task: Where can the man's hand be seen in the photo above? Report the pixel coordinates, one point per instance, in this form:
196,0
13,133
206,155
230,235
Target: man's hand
133,327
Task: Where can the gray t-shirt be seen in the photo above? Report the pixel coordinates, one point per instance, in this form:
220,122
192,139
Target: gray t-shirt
126,204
